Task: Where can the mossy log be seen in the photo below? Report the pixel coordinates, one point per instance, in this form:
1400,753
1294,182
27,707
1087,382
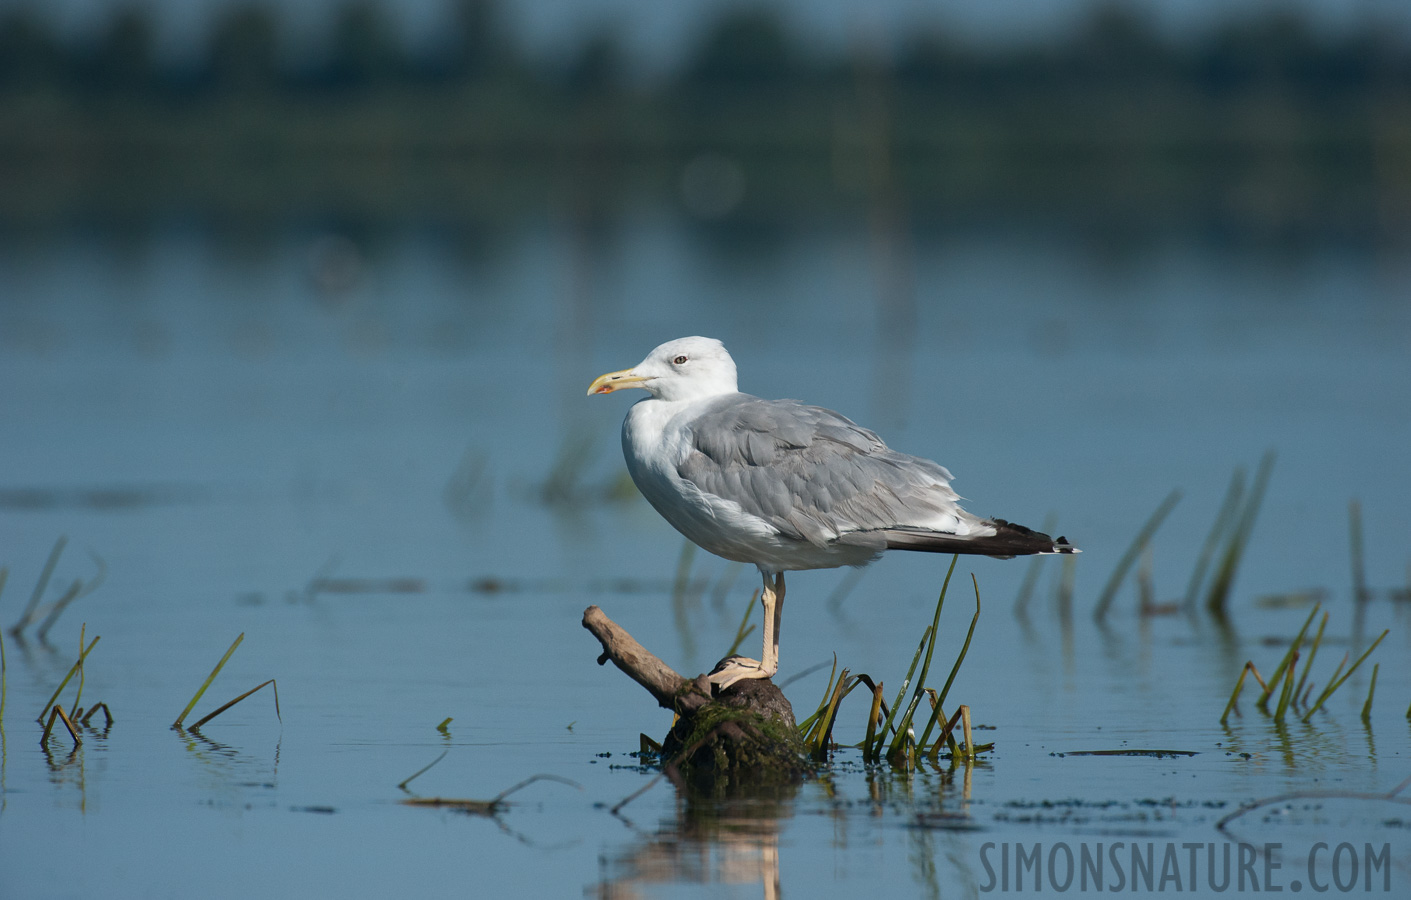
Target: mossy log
744,735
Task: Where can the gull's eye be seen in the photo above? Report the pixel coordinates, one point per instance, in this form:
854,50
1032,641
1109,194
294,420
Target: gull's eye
680,361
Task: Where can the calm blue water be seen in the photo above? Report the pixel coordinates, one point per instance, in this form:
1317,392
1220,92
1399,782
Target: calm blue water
222,423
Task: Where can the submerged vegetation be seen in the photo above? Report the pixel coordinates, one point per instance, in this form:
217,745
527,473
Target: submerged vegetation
1138,545
1225,545
1228,537
78,717
177,725
1295,696
492,807
1235,528
891,738
50,612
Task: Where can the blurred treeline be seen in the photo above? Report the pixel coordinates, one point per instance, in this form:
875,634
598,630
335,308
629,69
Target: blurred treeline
1262,125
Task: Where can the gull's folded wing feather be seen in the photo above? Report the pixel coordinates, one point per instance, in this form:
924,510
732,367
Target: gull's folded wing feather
815,475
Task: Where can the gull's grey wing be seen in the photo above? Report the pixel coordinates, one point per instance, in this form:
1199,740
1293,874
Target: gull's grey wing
813,474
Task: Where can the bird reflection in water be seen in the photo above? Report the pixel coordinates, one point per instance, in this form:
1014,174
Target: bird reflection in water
723,842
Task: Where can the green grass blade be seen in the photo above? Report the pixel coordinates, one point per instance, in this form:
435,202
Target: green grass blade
969,736
532,779
964,648
1338,671
1219,595
679,596
1367,707
745,628
887,728
4,666
823,728
844,589
872,687
874,713
74,591
1235,694
903,731
27,617
724,583
947,736
75,668
212,677
927,640
107,713
1337,683
918,750
1312,655
1064,599
58,713
197,726
1146,586
422,771
1289,656
803,726
1359,571
78,694
1143,537
904,726
1287,692
682,581
1223,519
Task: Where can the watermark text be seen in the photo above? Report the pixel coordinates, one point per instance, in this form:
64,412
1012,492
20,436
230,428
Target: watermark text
1162,867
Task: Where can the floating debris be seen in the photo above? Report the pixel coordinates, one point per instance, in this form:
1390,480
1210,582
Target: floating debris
367,586
108,498
490,807
1154,754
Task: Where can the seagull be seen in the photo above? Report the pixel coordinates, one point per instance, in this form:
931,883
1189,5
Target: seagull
783,485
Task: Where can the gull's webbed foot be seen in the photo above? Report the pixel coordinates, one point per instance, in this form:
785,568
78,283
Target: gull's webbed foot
738,668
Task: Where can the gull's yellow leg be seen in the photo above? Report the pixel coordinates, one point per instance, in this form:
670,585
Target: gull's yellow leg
739,668
773,601
779,617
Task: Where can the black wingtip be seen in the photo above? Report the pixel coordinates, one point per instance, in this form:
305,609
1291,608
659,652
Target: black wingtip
1010,540
1032,538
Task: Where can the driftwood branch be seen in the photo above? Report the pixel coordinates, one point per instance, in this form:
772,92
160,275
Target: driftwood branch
743,734
640,664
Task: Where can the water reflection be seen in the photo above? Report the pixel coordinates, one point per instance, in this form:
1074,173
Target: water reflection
725,842
67,761
229,772
67,770
925,845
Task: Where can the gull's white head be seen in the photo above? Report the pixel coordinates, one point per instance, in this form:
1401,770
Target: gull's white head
688,368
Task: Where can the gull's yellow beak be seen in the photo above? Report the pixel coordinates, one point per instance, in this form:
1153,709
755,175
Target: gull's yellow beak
616,381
